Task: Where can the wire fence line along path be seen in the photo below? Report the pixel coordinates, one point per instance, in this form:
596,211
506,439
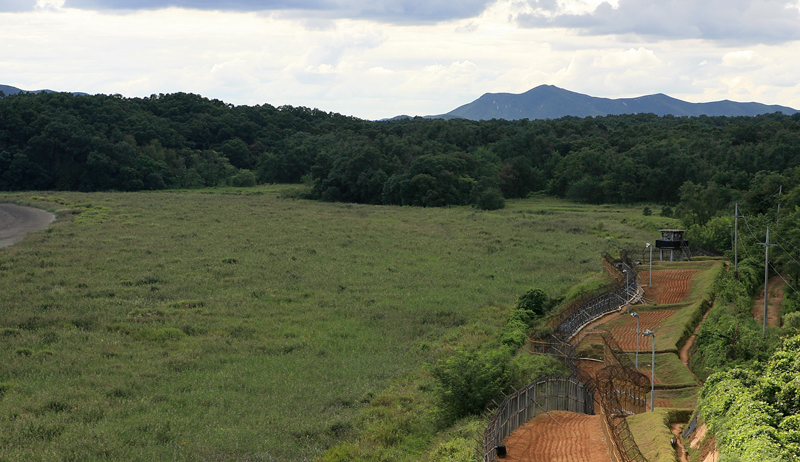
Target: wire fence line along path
625,290
620,389
545,394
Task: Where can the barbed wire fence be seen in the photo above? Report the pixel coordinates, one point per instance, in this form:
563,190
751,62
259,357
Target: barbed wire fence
621,390
625,290
545,394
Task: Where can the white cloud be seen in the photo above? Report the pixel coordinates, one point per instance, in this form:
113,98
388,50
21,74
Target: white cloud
640,57
373,69
49,4
744,58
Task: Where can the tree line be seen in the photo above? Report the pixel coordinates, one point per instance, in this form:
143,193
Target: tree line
59,141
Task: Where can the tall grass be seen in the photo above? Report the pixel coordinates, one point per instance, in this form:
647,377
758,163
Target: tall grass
246,326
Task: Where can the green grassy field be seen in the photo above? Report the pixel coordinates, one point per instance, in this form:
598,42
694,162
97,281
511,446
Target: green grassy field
241,325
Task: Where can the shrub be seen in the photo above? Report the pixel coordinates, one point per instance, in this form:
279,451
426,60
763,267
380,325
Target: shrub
455,450
792,321
245,178
515,333
490,199
533,300
470,379
647,212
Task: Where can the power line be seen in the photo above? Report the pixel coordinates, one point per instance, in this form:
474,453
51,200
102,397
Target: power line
787,241
784,279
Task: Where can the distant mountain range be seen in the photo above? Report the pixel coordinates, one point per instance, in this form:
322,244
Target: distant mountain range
9,90
550,102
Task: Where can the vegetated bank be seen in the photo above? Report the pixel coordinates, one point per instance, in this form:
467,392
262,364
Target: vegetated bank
750,399
237,324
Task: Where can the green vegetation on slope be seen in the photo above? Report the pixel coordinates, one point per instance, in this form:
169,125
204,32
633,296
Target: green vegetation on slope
754,414
175,326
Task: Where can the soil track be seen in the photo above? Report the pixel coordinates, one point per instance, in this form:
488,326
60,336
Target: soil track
776,284
16,221
669,286
579,438
624,330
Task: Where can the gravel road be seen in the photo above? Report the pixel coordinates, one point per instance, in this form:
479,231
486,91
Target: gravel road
16,221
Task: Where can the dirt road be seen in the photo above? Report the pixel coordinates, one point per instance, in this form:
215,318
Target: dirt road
776,284
16,221
569,438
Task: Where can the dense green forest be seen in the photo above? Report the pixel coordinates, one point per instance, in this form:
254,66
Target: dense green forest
57,141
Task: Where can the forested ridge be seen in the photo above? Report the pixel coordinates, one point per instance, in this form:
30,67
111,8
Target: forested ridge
58,141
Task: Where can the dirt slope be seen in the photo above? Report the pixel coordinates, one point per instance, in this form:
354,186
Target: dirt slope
578,438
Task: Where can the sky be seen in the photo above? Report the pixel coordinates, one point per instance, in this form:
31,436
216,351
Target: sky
381,58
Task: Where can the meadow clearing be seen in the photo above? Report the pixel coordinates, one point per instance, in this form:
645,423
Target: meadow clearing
242,324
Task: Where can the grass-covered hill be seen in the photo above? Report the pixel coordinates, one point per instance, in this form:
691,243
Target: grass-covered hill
240,325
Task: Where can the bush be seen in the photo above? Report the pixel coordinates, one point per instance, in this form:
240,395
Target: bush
470,379
534,301
490,199
515,333
245,178
525,368
455,450
792,321
647,212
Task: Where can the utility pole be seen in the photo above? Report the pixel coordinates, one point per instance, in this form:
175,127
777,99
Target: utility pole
652,371
636,315
627,292
777,214
766,245
736,242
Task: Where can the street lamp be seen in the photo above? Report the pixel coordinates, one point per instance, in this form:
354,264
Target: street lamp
636,315
650,284
627,293
652,371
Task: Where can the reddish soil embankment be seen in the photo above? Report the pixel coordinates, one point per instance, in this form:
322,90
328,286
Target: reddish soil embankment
578,438
669,286
624,330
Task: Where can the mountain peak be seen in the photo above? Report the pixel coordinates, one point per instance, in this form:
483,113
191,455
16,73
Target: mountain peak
551,102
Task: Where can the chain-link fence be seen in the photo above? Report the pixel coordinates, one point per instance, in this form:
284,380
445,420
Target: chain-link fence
620,389
551,393
624,290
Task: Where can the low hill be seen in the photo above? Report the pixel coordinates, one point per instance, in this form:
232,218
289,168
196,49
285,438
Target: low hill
551,102
9,90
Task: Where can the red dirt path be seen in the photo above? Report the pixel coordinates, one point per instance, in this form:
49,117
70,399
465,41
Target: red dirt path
580,438
624,329
774,305
669,286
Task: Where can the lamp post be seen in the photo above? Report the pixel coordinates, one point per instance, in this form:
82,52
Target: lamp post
627,293
652,371
636,315
650,284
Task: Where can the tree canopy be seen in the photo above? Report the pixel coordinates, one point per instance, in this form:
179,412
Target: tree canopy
59,141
